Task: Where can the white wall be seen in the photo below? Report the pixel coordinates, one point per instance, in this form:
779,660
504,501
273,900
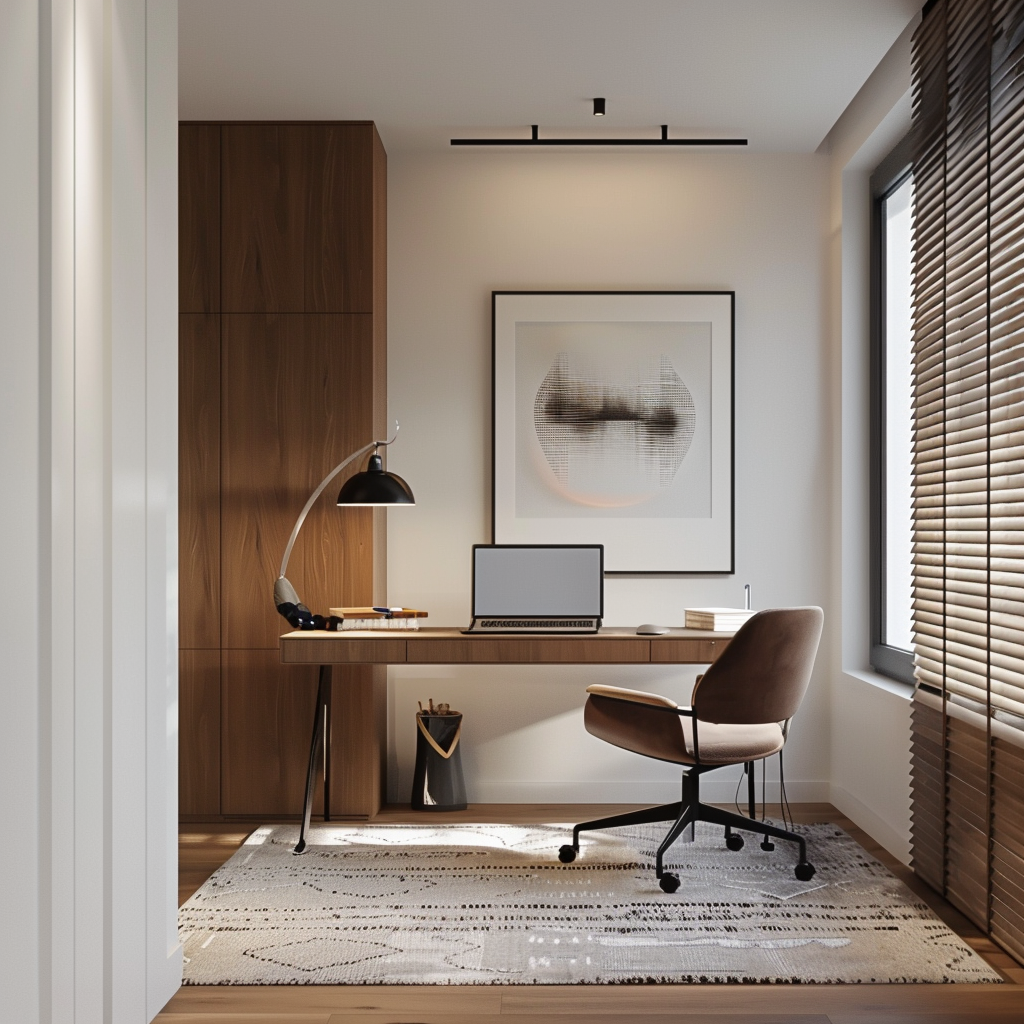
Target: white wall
870,757
462,223
88,519
22,974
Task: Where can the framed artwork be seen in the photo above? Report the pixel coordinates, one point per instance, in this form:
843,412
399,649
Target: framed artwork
613,424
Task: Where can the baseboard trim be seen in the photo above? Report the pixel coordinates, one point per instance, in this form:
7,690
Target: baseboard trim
897,843
712,791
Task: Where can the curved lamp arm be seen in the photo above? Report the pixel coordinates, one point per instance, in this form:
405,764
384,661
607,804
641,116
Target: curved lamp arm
312,501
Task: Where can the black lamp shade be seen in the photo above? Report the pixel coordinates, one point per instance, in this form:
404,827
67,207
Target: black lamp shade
375,486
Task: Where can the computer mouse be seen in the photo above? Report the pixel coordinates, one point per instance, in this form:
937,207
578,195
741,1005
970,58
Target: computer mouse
650,629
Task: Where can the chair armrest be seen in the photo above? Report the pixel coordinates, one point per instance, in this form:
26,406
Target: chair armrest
652,700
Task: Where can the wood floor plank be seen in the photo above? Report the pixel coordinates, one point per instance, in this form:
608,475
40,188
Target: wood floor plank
250,1018
602,1000
575,1018
967,1017
223,1000
512,814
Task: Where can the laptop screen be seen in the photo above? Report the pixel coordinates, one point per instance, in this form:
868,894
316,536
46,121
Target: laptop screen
538,579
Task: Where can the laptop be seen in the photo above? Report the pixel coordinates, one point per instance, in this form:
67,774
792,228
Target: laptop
537,588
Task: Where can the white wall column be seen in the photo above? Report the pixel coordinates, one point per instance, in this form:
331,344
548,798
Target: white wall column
870,750
22,502
88,520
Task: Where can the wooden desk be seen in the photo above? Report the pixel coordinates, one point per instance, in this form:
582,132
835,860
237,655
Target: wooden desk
446,646
433,646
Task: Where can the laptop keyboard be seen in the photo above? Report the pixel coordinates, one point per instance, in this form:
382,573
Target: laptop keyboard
536,623
510,626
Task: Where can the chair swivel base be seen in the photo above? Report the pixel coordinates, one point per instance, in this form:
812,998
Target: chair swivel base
684,815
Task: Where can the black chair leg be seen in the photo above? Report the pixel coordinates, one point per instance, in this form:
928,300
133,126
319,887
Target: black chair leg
689,806
717,816
681,823
647,816
686,819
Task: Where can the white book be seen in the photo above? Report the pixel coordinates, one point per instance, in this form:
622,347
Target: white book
718,620
378,623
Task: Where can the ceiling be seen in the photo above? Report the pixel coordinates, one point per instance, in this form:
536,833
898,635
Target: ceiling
779,72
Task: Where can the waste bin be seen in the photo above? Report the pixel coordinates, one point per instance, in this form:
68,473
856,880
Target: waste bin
437,782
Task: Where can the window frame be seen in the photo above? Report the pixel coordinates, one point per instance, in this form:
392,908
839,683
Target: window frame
892,172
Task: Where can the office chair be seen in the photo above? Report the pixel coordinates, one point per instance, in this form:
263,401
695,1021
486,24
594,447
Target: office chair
741,710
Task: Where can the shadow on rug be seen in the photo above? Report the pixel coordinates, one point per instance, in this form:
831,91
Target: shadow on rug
491,904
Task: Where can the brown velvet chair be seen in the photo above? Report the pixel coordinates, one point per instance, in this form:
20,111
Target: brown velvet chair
742,707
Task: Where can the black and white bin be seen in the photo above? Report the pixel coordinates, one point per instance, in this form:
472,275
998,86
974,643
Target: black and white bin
437,782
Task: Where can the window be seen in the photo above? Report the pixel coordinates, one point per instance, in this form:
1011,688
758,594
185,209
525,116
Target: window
892,412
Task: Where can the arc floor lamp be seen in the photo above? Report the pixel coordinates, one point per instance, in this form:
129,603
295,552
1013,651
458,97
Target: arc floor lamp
374,486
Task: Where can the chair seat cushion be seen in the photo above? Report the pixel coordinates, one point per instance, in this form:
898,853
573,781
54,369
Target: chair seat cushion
731,744
656,731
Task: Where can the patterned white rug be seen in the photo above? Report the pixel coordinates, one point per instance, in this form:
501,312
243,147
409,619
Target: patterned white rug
491,904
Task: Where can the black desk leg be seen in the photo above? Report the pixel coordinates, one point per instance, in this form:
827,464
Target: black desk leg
321,722
328,690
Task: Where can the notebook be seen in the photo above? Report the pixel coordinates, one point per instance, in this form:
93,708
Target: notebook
718,619
537,588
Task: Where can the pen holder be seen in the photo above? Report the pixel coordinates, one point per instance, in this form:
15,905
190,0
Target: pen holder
437,782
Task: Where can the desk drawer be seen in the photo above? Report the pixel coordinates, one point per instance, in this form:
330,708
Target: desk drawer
528,651
697,651
335,650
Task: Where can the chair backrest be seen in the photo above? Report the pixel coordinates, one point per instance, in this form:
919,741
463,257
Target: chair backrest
763,674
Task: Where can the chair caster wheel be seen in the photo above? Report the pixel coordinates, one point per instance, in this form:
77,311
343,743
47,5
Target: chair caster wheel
734,841
767,846
567,854
669,882
804,872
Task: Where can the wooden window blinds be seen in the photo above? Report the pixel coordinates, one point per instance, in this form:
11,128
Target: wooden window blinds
968,357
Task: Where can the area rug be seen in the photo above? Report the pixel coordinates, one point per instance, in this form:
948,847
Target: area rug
491,904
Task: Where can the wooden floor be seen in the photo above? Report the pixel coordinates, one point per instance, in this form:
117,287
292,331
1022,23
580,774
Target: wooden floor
203,848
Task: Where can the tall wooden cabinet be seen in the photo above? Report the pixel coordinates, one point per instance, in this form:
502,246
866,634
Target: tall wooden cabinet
282,364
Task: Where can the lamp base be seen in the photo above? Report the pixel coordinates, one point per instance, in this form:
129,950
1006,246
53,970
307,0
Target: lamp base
288,604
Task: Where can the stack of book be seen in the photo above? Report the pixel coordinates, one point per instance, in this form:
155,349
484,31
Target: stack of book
378,618
720,620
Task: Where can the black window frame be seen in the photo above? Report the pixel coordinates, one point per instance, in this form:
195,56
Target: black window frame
890,174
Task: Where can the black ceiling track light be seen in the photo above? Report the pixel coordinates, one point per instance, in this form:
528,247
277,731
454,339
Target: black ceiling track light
535,139
598,106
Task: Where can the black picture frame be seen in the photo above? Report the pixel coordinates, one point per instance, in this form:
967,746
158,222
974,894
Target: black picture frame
687,527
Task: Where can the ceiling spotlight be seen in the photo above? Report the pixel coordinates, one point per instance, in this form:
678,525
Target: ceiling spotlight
599,106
